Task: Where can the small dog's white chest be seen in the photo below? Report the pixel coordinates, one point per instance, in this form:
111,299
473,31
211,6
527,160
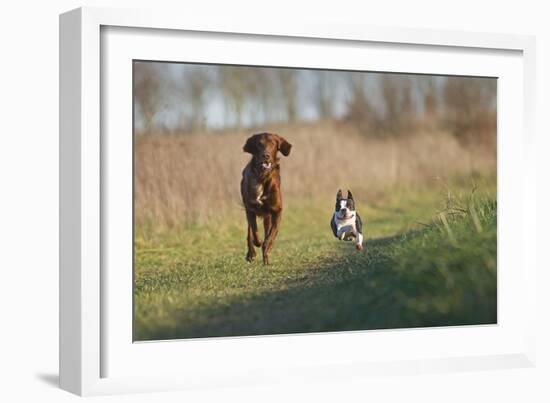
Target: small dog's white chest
345,227
341,223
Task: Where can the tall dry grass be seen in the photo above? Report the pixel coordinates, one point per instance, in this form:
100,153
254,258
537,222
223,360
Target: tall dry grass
191,179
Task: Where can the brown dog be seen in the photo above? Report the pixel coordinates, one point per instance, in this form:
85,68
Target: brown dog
261,190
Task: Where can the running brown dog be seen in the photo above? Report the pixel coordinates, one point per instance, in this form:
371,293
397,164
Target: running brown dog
261,190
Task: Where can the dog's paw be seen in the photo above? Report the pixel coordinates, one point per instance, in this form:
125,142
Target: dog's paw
359,246
250,257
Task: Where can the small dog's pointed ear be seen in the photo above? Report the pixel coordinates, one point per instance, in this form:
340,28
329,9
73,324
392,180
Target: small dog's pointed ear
284,146
339,194
350,196
250,145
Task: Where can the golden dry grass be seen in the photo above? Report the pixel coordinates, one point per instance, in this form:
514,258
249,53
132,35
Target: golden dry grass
191,179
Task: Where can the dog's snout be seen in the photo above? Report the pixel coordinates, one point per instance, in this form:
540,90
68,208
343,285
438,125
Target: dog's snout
343,210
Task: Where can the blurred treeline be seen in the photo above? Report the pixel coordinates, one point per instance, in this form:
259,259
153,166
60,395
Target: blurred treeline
174,98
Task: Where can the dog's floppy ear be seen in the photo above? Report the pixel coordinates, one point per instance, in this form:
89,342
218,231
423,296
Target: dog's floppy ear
350,196
284,146
339,194
250,145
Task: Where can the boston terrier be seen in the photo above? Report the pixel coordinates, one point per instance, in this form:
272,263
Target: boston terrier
345,222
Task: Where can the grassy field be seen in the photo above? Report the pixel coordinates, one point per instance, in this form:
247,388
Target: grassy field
429,260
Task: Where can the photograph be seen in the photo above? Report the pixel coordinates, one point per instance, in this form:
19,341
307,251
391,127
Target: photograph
276,200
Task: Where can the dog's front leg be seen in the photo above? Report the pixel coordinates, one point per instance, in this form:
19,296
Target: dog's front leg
252,236
267,225
341,233
359,240
270,238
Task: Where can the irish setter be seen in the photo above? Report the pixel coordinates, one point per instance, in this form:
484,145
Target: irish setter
261,190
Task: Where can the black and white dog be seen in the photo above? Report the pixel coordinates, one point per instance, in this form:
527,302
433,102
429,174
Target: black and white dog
346,223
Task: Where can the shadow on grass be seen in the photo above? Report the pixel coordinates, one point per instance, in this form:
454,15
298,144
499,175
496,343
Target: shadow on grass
352,291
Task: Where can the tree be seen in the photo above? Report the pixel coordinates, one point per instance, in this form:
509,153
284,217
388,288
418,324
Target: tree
287,81
233,80
359,108
470,108
429,96
197,81
324,93
397,98
147,92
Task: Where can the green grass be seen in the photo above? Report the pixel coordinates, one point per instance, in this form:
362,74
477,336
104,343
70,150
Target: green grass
430,260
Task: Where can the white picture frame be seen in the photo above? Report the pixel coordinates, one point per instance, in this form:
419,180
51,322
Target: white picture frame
96,355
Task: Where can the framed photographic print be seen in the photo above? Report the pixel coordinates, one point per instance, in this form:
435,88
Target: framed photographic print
298,200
